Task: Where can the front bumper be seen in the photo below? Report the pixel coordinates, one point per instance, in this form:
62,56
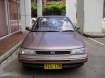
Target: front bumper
40,60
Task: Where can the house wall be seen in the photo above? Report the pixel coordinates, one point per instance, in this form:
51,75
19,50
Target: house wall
9,17
104,9
90,14
3,27
13,15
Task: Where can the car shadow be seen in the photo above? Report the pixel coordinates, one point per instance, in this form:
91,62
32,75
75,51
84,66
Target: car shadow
39,71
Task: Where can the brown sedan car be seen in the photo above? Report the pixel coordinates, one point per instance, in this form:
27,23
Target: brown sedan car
52,44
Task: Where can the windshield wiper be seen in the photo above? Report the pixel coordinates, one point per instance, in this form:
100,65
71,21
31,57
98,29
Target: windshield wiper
68,31
45,31
55,31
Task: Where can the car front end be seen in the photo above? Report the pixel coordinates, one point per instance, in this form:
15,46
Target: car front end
53,59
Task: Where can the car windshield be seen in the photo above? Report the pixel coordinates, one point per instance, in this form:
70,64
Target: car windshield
54,24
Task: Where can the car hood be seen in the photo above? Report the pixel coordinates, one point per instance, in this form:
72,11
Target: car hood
52,41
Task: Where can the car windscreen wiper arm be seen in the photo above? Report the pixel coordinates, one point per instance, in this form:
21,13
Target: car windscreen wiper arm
68,31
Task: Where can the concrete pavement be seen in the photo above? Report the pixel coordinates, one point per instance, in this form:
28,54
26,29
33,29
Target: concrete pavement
94,68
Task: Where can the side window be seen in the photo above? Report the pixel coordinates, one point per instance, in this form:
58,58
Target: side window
43,22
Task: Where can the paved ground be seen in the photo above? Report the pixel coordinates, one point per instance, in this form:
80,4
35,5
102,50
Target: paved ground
7,43
94,68
101,40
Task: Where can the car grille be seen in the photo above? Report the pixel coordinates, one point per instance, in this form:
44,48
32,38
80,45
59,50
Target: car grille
52,52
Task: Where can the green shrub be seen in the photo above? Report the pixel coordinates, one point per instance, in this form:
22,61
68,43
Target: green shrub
33,6
53,8
34,10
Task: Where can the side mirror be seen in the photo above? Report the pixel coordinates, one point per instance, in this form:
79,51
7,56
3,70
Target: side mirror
77,27
28,28
34,21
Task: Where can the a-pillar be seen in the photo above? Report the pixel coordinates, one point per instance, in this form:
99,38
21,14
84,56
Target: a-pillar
71,10
89,17
39,8
25,7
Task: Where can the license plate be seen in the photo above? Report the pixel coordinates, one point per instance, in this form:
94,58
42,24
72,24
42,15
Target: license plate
52,66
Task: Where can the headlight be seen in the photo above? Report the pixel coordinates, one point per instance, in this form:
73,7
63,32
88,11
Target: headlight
27,51
78,51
